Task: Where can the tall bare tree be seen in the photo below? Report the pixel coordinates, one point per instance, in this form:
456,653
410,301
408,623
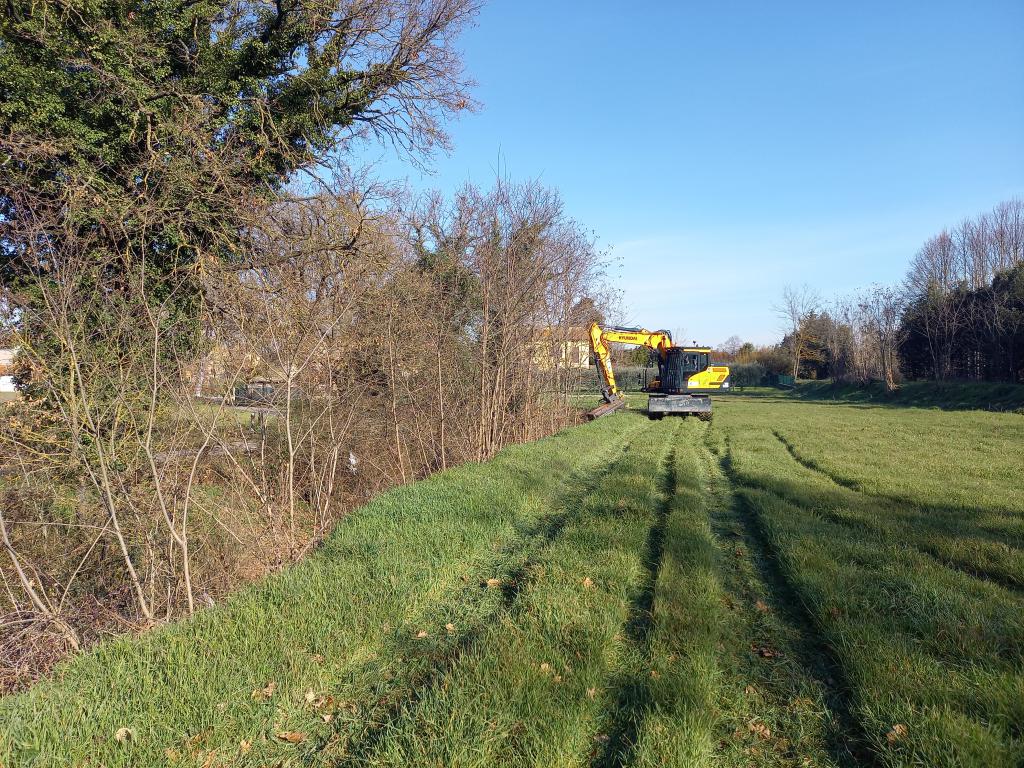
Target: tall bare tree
796,307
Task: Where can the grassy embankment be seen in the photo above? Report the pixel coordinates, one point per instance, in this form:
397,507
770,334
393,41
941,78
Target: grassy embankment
361,623
796,584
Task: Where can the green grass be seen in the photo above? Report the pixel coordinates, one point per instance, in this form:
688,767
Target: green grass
800,583
885,542
531,689
948,395
340,623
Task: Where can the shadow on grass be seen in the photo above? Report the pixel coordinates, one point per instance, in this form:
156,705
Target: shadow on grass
946,396
912,523
847,742
426,661
632,697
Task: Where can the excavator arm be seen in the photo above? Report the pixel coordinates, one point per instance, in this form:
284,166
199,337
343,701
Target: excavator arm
600,338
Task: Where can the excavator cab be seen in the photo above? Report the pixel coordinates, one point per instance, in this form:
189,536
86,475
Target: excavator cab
679,365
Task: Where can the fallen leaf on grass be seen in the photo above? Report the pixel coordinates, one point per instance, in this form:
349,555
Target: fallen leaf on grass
244,746
124,734
898,732
765,652
292,737
450,627
492,583
750,690
262,694
310,696
761,606
588,583
545,667
327,717
591,693
421,634
760,730
655,674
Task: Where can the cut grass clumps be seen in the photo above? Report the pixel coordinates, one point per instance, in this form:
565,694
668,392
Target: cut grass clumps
316,639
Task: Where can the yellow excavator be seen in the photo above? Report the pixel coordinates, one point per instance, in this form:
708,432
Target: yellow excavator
685,377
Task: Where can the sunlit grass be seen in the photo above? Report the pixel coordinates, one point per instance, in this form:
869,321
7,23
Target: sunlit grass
411,561
797,583
871,519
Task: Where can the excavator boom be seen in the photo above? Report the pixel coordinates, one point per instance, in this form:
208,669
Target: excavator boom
601,337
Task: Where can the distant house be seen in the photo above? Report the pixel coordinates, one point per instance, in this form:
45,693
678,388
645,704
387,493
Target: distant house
561,348
7,370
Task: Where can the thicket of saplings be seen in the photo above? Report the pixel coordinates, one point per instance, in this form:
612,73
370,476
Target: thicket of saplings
158,259
137,490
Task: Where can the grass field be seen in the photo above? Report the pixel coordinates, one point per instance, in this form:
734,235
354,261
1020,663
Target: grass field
799,583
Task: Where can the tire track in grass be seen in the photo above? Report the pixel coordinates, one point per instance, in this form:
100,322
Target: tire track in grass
526,692
224,683
681,672
422,648
795,677
632,697
362,733
1010,582
933,657
894,500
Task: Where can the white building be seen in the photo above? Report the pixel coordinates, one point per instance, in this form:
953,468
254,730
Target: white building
7,370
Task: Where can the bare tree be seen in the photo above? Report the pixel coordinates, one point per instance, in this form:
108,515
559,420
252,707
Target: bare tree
797,305
881,309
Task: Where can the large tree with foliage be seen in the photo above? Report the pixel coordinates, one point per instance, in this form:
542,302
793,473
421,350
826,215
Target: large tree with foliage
141,138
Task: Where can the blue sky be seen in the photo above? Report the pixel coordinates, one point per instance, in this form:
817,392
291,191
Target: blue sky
725,149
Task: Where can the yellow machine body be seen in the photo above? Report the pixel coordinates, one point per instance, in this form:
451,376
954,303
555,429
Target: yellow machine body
685,375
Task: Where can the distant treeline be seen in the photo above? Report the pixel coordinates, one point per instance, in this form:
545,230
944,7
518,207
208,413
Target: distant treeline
958,314
964,316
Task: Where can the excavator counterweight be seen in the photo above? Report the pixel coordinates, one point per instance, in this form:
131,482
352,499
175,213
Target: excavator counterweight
685,378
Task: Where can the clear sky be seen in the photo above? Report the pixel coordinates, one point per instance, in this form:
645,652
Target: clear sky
723,149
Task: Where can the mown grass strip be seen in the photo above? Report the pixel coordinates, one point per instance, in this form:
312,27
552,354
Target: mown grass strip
630,693
782,700
408,667
529,690
679,675
223,685
934,657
